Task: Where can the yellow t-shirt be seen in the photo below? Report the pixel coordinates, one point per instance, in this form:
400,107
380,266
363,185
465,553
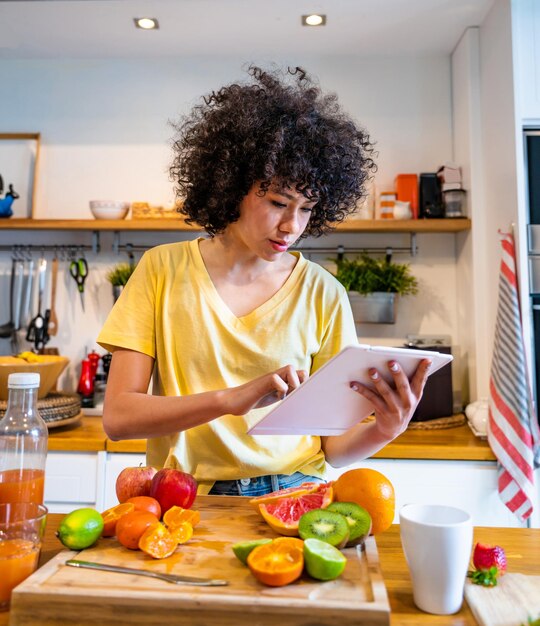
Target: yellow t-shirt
171,311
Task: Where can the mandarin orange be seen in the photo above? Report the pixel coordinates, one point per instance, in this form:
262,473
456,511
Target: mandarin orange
131,526
372,490
277,563
111,517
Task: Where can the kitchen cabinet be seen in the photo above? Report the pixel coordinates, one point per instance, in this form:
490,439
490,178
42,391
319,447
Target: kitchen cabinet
74,480
470,485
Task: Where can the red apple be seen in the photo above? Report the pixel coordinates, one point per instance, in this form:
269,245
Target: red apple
171,487
134,481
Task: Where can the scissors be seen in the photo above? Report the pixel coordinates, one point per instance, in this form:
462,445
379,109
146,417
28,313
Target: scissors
79,270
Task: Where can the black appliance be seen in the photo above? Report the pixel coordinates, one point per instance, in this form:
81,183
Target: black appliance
430,196
438,398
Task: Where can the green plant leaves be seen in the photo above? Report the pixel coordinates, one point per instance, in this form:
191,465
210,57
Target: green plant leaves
367,275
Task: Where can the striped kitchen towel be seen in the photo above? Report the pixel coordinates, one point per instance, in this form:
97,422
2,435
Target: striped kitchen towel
513,432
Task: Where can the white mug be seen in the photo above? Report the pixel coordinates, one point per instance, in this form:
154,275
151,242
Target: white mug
437,542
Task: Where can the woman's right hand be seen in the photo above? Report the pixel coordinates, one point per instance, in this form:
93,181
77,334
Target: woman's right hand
263,391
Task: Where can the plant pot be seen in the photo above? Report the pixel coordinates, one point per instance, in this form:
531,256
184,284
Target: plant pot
116,291
374,308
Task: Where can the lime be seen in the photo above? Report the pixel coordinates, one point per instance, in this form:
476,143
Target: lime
241,550
80,529
322,560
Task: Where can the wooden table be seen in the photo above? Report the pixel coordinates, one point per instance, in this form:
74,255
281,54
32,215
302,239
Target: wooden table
522,547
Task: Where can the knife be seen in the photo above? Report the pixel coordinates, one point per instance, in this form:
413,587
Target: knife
170,578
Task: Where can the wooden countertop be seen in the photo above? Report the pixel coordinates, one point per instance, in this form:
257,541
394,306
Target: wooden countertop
521,545
456,443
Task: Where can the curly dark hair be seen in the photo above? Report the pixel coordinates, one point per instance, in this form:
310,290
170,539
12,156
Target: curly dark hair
269,131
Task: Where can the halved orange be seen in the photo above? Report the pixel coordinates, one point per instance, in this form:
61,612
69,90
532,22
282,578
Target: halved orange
176,516
112,515
182,533
277,563
158,542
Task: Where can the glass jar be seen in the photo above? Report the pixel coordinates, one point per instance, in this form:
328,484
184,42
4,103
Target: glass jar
23,443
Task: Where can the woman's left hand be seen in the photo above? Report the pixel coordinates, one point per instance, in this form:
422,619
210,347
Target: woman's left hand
394,407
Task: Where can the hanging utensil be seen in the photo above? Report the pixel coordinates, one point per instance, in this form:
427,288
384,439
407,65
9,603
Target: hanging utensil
53,320
17,297
79,271
27,297
35,332
7,328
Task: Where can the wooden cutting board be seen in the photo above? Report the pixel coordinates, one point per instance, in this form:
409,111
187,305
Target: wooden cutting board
57,593
510,603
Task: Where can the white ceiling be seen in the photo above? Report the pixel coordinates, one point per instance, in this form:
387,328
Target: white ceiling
250,28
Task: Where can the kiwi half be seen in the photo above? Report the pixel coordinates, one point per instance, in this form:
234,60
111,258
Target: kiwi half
358,519
325,525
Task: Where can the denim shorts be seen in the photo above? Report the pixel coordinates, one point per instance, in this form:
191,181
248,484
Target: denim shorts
261,485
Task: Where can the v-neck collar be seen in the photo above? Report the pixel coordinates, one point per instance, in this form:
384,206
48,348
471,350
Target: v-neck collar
252,318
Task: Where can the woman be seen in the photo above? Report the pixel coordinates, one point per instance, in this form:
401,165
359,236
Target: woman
230,323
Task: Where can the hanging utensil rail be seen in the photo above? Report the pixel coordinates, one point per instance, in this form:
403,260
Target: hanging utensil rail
339,250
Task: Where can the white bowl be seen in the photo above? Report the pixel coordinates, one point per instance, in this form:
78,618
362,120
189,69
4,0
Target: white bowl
109,210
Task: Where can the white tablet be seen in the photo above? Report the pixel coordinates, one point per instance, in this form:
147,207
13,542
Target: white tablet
326,405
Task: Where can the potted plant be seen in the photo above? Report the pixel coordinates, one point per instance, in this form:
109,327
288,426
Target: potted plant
374,286
118,277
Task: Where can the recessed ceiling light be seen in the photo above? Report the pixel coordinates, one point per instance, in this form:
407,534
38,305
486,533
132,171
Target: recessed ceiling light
147,23
314,20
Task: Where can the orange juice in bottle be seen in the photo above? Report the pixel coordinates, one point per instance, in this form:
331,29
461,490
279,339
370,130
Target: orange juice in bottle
23,443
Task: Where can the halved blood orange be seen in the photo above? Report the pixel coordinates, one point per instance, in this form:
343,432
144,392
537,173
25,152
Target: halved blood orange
112,515
158,542
182,533
176,516
277,563
283,515
288,492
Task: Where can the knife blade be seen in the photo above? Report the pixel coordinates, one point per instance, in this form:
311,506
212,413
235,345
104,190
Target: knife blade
170,578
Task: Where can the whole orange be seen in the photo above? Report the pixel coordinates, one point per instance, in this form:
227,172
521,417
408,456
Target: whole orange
146,503
370,489
130,527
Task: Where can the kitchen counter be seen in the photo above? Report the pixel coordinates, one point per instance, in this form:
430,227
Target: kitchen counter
522,546
456,443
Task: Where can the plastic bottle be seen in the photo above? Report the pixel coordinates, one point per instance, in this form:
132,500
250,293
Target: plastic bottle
23,443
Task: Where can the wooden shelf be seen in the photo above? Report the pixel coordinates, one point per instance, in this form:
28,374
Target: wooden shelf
350,226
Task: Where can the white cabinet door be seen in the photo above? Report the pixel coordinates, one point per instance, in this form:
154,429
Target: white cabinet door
73,480
115,463
470,485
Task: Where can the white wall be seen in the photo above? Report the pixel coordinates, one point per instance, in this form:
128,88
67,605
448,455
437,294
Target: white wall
105,135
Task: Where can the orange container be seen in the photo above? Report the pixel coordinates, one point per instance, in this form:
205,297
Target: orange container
18,559
407,191
21,533
25,485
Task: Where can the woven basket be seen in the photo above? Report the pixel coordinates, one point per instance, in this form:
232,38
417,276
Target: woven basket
54,408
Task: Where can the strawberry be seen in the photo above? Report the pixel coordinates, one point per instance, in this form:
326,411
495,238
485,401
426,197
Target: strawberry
486,557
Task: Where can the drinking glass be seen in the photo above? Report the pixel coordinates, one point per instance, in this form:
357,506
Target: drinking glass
22,525
437,542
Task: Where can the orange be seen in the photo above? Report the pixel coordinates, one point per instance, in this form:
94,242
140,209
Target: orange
131,526
158,542
277,563
111,517
146,503
176,516
182,533
369,489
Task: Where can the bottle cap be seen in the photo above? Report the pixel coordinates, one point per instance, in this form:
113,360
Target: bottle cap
23,381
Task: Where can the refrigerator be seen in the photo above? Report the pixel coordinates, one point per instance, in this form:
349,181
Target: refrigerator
531,142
